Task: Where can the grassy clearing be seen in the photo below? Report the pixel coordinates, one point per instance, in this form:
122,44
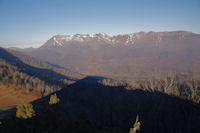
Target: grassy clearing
10,96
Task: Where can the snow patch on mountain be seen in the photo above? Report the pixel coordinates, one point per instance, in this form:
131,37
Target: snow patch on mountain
56,42
127,39
131,39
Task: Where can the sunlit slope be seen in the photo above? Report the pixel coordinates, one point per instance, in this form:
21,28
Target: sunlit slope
11,95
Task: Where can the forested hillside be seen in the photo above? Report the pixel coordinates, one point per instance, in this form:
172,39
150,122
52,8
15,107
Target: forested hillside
30,75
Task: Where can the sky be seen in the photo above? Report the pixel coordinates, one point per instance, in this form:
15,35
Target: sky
25,23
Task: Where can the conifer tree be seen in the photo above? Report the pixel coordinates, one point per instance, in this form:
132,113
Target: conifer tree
25,110
54,99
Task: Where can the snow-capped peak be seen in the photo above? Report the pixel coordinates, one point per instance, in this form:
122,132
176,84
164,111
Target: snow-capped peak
132,39
79,37
102,34
102,37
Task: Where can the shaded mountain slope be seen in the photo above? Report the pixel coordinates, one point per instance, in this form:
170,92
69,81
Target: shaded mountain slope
118,107
46,65
87,106
41,73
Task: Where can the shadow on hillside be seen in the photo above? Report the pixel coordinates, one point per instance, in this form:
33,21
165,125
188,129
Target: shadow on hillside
116,107
46,75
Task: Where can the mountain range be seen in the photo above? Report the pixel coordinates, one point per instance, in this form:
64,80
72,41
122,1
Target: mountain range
122,56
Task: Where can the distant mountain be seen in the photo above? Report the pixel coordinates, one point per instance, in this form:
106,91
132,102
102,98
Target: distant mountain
21,76
21,49
16,49
124,56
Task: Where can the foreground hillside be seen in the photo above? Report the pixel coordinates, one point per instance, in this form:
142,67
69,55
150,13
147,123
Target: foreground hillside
123,56
90,107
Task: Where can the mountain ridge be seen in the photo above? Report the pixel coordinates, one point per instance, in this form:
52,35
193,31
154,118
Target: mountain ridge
123,56
60,40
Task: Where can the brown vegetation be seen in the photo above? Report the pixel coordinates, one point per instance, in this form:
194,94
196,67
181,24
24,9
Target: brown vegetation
12,95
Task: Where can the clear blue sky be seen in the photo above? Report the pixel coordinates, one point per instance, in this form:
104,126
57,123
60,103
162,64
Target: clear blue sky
25,23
